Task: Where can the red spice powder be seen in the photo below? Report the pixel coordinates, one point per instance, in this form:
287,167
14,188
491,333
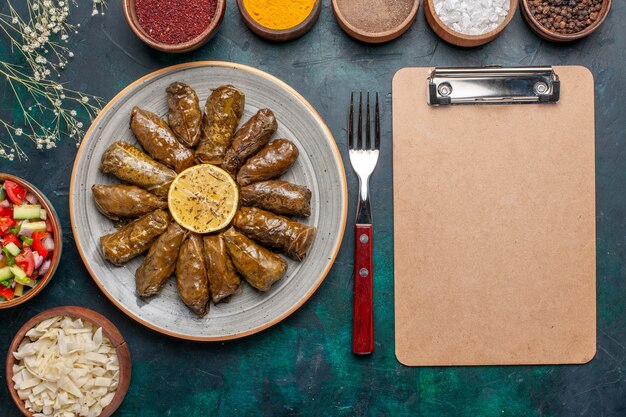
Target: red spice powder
175,21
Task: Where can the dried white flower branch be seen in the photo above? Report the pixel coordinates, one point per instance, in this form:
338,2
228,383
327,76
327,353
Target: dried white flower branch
47,109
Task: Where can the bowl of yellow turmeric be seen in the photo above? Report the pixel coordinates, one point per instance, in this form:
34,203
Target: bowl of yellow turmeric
280,20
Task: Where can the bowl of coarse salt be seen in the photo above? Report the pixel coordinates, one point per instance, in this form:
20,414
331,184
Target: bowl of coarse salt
469,23
68,361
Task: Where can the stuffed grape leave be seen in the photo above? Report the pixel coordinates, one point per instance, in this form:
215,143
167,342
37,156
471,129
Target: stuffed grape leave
260,267
272,161
134,238
156,137
184,115
223,278
222,112
191,276
125,201
159,263
133,166
279,197
274,231
249,139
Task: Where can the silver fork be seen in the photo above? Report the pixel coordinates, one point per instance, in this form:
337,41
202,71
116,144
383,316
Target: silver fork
363,157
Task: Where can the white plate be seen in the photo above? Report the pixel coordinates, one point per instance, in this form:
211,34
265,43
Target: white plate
319,167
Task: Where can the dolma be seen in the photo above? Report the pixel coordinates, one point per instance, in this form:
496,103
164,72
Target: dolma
156,137
191,276
133,166
184,115
159,263
223,278
259,266
134,238
222,112
272,161
279,197
125,201
274,231
249,139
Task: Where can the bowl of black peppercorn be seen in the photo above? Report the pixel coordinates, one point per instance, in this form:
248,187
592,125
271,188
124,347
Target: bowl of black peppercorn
565,20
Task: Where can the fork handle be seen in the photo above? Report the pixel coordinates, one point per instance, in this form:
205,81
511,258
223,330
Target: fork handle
363,312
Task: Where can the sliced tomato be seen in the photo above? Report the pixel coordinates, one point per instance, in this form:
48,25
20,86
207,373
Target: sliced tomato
38,246
11,238
6,223
6,212
15,192
7,293
26,261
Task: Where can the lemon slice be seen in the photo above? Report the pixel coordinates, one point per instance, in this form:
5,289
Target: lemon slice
203,198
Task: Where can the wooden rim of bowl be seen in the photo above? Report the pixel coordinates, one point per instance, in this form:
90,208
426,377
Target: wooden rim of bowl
375,37
133,22
561,37
344,191
283,34
460,39
58,241
109,330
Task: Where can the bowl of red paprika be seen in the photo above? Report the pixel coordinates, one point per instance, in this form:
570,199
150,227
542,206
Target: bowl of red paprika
30,241
174,25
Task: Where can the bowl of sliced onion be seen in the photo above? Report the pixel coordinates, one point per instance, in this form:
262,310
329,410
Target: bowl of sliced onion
30,241
68,361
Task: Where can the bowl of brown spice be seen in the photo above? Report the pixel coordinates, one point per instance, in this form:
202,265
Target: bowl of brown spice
565,20
174,25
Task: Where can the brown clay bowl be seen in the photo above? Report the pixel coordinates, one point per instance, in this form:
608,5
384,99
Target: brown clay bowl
560,37
109,330
133,22
365,35
285,34
460,39
57,236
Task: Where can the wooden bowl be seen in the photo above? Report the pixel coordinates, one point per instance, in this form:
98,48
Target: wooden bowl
560,37
57,237
285,34
460,39
133,22
108,329
368,36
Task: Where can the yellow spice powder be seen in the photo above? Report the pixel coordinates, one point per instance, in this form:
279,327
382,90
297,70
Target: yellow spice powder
279,14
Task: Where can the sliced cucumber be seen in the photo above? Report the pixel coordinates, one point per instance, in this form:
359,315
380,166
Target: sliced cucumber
19,273
43,214
24,281
3,194
5,273
19,290
27,211
30,228
13,249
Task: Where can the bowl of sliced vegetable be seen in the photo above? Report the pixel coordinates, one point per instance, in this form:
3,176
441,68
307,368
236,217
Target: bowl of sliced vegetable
30,241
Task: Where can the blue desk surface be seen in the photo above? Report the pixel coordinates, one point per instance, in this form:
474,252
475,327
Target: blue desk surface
304,366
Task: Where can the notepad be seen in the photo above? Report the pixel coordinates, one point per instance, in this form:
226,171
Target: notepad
494,226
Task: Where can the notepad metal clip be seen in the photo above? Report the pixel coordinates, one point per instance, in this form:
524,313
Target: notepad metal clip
493,85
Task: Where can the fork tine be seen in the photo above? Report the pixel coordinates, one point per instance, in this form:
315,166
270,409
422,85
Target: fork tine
377,125
359,139
368,136
351,122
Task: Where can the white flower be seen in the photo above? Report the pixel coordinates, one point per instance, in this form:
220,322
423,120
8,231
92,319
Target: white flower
71,54
85,99
73,113
18,131
57,103
79,125
14,20
35,6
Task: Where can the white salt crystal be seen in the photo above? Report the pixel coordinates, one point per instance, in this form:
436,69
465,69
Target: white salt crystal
472,17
